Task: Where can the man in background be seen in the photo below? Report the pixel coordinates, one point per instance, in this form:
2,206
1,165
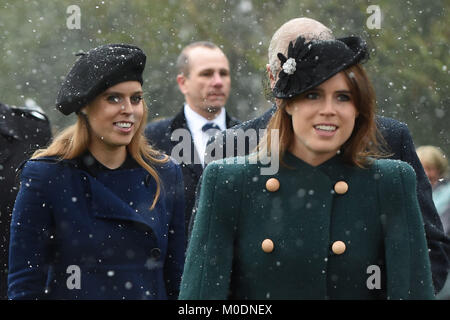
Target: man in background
204,80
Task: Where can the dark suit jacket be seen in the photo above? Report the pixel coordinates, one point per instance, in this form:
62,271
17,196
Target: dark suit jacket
398,138
158,134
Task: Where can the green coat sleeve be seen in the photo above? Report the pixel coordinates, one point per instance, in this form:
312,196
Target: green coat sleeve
209,256
406,251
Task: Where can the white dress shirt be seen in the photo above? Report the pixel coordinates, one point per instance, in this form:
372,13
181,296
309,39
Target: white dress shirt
195,122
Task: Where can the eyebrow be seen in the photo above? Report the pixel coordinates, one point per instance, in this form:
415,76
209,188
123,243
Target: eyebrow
121,93
344,91
213,69
337,91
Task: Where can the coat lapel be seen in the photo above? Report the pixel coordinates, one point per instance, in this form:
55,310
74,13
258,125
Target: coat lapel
179,122
230,121
105,204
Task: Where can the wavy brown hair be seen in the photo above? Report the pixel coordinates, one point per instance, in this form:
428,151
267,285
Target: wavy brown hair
74,141
365,142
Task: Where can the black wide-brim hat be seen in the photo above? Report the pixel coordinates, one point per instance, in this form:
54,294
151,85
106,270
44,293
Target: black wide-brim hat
310,64
96,71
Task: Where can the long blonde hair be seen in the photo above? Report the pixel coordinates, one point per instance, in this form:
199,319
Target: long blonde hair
74,141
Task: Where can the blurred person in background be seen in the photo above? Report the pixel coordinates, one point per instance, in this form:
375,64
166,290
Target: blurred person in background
99,213
435,164
23,130
204,80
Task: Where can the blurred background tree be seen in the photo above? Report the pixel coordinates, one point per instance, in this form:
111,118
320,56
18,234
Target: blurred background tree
409,65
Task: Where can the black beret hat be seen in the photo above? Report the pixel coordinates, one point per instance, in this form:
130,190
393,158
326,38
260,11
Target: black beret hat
309,64
96,71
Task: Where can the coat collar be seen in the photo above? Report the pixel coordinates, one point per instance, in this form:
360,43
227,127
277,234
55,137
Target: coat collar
179,121
335,168
89,163
265,118
105,204
231,121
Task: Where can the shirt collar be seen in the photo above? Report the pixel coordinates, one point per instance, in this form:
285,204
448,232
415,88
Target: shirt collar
195,121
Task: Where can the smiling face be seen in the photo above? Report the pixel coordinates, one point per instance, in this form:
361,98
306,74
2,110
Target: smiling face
207,86
115,115
323,119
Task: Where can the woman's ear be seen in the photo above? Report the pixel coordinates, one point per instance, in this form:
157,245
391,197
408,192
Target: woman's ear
288,109
83,110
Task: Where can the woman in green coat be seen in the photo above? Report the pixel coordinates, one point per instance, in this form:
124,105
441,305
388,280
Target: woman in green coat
333,222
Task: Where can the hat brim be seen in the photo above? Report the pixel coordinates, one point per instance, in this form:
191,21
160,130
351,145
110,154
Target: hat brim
325,59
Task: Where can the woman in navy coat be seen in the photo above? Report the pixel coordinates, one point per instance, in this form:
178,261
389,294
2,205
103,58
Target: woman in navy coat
333,222
99,215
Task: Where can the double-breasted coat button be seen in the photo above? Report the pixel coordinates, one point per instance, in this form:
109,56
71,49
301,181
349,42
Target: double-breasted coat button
338,247
272,184
341,187
267,245
155,253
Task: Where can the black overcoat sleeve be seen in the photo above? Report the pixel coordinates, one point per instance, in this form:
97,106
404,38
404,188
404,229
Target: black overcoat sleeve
399,140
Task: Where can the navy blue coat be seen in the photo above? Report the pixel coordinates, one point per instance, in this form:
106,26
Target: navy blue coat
64,217
158,134
399,140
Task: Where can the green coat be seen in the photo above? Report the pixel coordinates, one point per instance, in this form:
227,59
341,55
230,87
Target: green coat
378,219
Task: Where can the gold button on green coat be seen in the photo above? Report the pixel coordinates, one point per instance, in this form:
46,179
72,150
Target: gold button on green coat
272,185
341,187
338,247
378,220
267,245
